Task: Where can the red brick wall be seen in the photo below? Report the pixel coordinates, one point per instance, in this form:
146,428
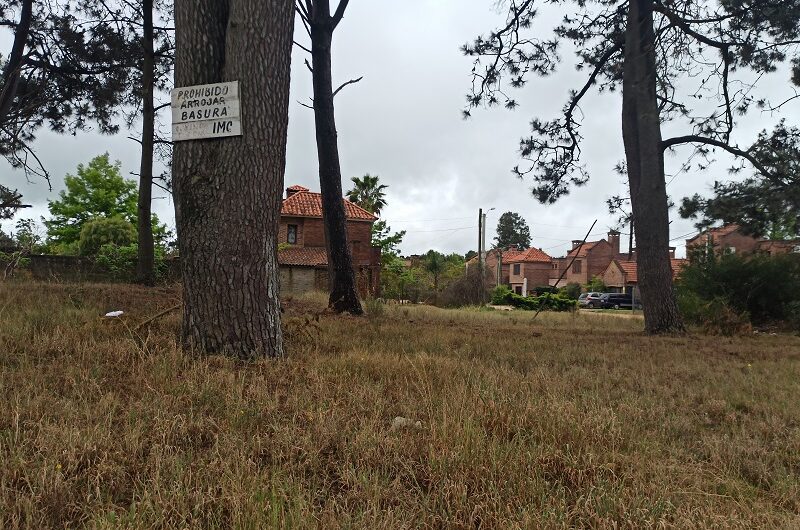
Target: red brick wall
538,274
311,233
570,277
282,229
742,243
598,259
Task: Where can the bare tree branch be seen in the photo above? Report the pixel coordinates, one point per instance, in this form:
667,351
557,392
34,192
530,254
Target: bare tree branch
695,139
340,9
301,46
351,82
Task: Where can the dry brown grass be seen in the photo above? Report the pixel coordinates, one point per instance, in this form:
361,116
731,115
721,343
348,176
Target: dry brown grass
572,421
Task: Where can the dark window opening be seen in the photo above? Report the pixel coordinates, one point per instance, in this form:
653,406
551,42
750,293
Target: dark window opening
516,268
291,234
576,267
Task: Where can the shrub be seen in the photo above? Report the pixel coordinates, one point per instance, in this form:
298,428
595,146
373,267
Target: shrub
120,261
543,289
105,230
597,285
470,289
571,290
546,302
501,294
715,316
763,289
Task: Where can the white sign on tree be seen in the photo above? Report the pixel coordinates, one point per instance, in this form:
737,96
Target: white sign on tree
206,111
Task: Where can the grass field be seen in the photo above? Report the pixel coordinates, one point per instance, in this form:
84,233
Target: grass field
568,421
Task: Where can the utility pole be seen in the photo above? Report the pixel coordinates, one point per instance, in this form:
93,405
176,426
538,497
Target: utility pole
480,240
483,237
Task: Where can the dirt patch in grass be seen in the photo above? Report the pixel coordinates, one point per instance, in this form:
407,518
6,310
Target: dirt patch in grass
571,420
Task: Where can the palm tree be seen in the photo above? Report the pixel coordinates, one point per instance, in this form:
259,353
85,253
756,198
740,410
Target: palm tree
367,193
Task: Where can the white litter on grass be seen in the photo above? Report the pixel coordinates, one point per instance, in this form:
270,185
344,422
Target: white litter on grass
113,314
405,423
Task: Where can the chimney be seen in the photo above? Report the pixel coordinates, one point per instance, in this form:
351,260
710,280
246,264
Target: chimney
672,252
291,190
613,239
576,243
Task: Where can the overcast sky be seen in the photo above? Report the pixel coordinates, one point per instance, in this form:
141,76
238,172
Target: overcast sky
403,122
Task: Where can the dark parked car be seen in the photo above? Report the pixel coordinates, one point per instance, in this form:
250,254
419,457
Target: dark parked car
617,301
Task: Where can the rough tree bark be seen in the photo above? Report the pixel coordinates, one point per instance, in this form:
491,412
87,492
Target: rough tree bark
641,131
341,278
228,191
145,267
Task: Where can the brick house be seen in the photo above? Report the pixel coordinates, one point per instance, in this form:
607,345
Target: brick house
623,276
591,259
304,263
518,269
493,256
731,238
529,269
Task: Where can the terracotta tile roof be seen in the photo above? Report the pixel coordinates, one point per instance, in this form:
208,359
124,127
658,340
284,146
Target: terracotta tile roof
530,255
304,203
632,273
677,266
508,255
303,256
721,231
589,245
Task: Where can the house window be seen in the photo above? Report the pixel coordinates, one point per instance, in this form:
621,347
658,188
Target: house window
576,267
291,234
516,268
518,289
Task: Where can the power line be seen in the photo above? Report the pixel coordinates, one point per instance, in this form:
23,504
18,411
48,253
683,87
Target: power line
439,230
684,235
425,220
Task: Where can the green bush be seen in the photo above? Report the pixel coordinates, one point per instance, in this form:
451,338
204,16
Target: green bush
546,302
596,285
501,294
545,289
715,316
120,261
105,230
764,289
571,290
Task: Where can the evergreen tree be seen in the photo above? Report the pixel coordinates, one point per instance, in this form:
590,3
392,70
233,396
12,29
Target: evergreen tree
766,204
66,69
512,231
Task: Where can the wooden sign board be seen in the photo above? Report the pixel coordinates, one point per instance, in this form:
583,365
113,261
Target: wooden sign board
206,111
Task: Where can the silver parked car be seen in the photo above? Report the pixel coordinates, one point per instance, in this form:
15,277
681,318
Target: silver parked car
589,300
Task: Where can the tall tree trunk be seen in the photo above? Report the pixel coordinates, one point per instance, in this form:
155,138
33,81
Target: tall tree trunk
228,190
16,58
341,278
641,130
145,267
